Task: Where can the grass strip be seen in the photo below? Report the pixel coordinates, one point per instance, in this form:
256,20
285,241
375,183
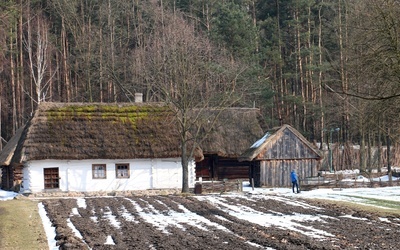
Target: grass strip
389,204
21,226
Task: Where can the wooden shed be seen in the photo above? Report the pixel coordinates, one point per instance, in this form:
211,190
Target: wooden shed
277,153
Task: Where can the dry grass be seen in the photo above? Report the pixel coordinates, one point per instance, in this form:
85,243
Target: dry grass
377,207
21,226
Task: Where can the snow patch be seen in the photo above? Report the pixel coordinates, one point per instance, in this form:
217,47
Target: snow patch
287,222
353,217
74,230
109,241
75,211
260,141
48,228
111,218
81,202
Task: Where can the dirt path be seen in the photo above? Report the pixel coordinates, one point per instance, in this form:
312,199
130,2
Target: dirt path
216,222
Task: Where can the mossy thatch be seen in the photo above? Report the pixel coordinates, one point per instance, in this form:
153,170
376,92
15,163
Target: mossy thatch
77,131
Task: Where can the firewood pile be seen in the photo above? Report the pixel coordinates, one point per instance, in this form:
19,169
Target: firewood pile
225,186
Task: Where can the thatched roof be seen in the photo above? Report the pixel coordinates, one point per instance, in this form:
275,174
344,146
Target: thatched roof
74,131
8,151
234,130
281,143
95,131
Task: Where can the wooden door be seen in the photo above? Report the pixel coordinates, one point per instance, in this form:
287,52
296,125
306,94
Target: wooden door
51,178
204,169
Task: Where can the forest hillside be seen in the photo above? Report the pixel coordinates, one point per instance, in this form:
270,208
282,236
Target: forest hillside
329,68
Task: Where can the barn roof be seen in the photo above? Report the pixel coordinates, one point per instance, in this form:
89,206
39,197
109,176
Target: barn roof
281,143
232,131
75,131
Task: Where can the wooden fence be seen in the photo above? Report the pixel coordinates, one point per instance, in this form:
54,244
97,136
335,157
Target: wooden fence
348,157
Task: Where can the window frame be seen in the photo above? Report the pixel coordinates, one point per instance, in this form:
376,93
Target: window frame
94,171
51,178
117,171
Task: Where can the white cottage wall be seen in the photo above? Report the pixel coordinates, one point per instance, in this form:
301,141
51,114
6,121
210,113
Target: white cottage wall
76,175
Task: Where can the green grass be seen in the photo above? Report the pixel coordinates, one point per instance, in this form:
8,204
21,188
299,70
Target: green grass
395,205
378,207
21,226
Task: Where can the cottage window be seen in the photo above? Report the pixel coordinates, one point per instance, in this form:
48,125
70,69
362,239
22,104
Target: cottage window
99,171
122,170
51,178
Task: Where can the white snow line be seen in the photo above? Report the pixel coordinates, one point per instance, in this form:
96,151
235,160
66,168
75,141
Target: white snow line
222,218
162,219
353,217
48,228
76,232
111,218
286,222
75,211
127,215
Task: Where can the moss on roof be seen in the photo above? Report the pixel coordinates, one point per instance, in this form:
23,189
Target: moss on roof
129,130
101,131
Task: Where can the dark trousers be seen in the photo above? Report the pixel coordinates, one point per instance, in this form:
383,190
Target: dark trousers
295,184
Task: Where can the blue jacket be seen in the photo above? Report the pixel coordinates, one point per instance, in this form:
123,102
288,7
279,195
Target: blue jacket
293,176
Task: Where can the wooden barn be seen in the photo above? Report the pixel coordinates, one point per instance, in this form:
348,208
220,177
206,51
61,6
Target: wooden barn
95,147
277,153
233,131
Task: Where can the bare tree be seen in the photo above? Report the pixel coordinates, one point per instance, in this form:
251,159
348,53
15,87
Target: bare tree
36,45
180,63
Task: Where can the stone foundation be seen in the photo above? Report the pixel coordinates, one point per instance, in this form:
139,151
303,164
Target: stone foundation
49,194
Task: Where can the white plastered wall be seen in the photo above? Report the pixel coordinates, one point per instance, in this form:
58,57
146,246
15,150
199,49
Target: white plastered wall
76,175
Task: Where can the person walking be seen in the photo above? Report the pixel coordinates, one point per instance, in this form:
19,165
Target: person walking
295,181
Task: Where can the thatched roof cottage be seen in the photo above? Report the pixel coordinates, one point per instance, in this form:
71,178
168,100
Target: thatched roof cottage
95,147
88,147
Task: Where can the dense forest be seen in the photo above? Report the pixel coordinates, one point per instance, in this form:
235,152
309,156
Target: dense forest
330,68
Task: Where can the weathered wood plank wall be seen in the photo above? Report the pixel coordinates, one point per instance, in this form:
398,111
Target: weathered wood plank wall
276,173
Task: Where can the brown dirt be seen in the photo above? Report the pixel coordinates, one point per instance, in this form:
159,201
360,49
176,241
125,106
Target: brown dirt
368,232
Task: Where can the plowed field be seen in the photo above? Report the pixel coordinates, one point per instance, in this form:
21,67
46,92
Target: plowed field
216,222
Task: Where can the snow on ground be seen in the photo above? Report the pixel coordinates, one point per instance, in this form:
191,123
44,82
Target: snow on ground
366,196
4,195
161,219
48,228
343,194
288,222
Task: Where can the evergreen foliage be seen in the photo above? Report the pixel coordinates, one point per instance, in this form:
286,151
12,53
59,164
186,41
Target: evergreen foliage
314,64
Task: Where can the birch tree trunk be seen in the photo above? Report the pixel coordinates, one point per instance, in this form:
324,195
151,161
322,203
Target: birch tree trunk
66,77
38,60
